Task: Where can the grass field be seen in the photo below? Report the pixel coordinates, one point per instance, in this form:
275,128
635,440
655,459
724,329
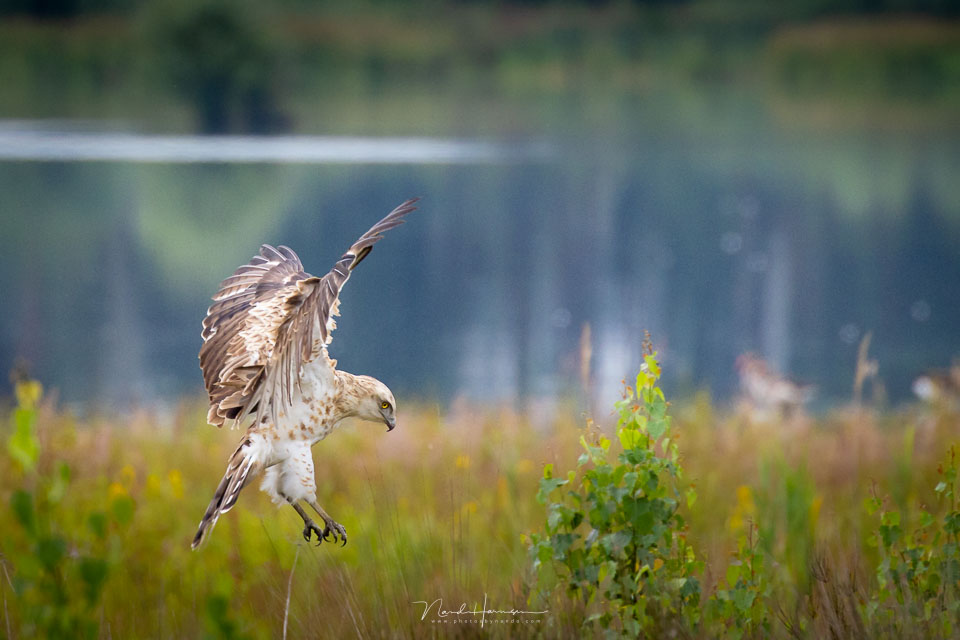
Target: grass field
99,513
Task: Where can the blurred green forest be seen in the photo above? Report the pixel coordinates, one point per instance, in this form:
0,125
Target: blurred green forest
468,67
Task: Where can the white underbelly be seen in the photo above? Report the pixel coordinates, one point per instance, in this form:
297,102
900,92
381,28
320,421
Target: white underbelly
310,416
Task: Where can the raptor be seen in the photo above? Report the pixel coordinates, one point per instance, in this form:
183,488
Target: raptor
264,359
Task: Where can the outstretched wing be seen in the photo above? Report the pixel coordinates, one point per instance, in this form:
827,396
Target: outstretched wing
267,319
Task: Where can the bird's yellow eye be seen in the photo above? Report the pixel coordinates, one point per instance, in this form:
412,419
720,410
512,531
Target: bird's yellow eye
384,405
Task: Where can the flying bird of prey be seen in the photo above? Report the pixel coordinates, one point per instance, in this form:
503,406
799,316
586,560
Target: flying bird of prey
264,356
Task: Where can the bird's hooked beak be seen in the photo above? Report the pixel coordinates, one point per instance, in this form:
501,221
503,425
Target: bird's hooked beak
391,424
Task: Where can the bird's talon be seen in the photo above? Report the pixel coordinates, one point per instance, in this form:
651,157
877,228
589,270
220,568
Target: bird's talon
341,532
336,533
310,529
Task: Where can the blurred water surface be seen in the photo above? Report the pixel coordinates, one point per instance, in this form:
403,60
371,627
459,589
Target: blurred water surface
737,229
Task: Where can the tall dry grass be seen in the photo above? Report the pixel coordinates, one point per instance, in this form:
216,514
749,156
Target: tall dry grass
438,509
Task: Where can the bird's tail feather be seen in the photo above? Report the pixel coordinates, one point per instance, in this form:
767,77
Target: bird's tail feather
241,469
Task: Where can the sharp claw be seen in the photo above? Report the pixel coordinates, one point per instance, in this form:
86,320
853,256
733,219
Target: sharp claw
335,532
309,530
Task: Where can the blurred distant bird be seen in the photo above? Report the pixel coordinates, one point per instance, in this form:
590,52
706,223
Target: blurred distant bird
939,386
265,355
768,391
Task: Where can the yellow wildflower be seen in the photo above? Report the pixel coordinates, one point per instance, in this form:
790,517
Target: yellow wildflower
176,482
128,475
28,394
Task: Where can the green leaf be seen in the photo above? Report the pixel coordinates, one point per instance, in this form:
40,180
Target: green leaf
93,572
657,428
50,551
613,543
690,587
733,574
58,487
951,523
547,485
122,507
640,516
629,438
553,519
651,365
97,521
544,552
640,422
644,380
743,599
23,445
28,394
22,505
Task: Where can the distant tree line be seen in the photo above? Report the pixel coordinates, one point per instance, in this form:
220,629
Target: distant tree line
65,9
232,61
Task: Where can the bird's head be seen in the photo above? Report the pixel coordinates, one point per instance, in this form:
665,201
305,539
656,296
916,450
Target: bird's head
376,402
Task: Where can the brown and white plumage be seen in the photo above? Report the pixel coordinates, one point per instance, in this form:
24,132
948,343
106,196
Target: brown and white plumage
264,355
939,386
262,325
769,393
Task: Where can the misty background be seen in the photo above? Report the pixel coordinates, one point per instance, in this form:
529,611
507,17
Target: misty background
731,176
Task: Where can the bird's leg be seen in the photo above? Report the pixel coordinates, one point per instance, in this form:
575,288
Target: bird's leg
333,528
309,526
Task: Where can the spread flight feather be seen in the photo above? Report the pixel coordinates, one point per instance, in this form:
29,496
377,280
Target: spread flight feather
267,320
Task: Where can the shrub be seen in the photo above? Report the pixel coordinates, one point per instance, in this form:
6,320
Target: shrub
614,537
59,571
740,606
918,576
